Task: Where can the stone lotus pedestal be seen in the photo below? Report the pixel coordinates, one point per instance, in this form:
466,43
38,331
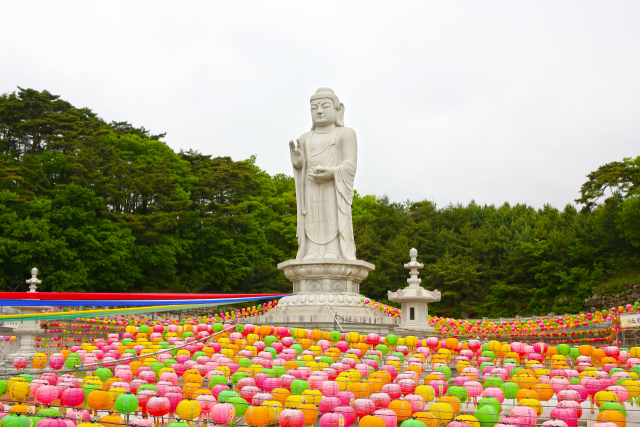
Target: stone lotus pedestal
321,285
414,300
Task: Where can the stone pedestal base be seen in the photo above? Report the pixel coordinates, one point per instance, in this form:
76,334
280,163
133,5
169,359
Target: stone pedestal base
413,331
27,331
322,285
318,317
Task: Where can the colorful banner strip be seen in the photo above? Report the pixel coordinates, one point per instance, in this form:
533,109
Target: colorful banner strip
110,312
126,302
122,296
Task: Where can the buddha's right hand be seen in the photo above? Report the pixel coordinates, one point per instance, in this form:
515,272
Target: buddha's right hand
296,155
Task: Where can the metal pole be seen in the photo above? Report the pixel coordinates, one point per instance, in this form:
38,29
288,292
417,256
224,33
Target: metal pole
334,318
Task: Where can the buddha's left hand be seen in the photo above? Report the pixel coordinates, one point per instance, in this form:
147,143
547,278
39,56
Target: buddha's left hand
321,174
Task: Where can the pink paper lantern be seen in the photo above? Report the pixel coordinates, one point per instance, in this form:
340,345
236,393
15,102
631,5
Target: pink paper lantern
78,415
388,416
291,418
51,422
494,392
528,415
621,392
571,404
46,394
345,397
56,361
364,407
328,404
567,415
260,398
225,413
331,420
393,390
417,402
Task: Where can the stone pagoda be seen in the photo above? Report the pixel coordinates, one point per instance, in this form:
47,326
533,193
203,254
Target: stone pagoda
414,300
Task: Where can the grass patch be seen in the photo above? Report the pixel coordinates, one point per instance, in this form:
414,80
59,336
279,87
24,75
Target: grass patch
617,284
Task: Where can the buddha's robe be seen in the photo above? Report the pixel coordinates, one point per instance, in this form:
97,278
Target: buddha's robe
324,209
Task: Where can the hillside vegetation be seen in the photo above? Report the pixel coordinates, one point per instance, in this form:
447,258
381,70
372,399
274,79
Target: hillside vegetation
108,207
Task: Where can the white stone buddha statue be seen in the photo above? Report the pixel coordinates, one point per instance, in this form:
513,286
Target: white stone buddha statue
324,167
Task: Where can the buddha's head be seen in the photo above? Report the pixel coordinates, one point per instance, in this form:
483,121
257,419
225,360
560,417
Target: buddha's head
326,109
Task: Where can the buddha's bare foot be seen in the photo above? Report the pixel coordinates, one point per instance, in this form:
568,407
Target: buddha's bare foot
310,256
330,256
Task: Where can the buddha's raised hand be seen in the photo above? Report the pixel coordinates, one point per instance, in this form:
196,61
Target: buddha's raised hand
297,159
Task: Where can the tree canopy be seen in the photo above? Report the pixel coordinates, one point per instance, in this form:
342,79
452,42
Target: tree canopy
107,207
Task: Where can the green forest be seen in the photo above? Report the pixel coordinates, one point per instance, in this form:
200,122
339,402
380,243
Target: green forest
109,207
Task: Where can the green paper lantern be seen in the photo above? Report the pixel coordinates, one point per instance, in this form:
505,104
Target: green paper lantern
127,403
280,370
510,390
49,412
298,348
574,353
148,387
459,392
225,395
15,421
104,374
235,377
392,340
445,370
240,404
335,336
217,379
487,415
490,401
382,349
613,406
298,386
493,381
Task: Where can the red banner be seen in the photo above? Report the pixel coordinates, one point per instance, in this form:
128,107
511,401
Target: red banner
121,296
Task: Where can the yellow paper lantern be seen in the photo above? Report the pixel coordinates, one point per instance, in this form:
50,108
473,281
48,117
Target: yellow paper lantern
443,412
426,392
275,408
188,409
469,419
312,396
20,391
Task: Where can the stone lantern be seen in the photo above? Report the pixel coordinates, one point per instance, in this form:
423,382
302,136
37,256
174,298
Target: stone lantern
28,330
414,299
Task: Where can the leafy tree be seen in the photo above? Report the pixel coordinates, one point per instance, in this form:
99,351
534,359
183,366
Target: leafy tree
111,207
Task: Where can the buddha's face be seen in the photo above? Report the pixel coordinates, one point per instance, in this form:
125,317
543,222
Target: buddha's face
323,112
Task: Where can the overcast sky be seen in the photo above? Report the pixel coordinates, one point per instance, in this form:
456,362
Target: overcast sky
451,101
